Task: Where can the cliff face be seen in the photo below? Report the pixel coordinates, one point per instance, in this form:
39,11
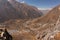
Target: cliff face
14,10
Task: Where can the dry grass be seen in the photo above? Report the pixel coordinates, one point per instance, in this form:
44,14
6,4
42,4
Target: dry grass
24,36
57,36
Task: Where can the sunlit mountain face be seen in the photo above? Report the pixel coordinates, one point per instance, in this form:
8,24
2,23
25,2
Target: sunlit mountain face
49,24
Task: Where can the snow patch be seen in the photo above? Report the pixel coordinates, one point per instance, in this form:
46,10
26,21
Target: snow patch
44,8
22,2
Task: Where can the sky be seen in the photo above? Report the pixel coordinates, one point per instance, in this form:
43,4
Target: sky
42,4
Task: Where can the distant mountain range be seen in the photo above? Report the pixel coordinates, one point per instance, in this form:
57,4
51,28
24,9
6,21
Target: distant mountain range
44,11
15,10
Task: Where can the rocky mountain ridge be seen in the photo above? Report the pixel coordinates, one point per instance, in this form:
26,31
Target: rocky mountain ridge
15,10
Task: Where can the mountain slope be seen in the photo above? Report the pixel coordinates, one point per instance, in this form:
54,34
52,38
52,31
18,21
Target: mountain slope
26,10
15,10
47,24
7,11
51,17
